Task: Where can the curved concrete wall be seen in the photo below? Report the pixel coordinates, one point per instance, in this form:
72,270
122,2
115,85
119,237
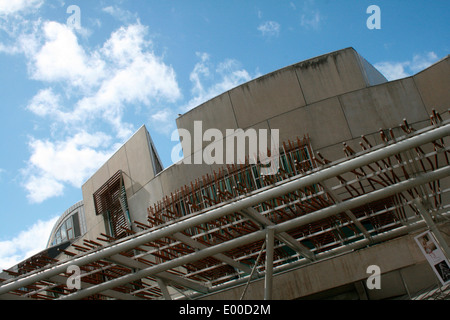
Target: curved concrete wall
333,98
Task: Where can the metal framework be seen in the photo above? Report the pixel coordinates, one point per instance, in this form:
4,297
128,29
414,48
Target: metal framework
235,226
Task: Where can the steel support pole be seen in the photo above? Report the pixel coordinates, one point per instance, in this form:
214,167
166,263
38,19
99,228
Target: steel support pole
327,254
236,205
268,282
253,270
164,290
261,234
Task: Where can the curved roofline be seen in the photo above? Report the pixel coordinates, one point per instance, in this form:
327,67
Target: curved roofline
62,218
268,75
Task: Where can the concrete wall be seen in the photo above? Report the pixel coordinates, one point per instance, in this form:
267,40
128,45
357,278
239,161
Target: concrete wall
404,271
333,98
382,106
134,159
372,75
281,92
433,85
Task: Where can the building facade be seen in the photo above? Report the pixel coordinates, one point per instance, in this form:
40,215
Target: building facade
361,164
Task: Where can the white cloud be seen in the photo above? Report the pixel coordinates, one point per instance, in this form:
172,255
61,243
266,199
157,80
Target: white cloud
14,6
26,243
42,187
397,70
90,89
61,58
126,43
136,76
163,120
18,33
207,84
93,89
161,116
422,61
9,49
269,28
124,72
311,20
393,70
46,102
71,161
208,81
120,14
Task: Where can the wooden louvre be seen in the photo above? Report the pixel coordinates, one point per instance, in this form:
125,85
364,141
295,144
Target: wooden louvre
110,201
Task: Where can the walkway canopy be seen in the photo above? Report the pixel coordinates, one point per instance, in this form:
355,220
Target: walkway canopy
303,215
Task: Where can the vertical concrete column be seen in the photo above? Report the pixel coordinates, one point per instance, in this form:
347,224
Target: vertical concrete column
268,282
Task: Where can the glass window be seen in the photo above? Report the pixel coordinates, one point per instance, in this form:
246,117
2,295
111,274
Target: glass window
70,234
58,236
69,222
63,231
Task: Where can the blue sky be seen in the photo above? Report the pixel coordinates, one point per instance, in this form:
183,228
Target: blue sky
72,93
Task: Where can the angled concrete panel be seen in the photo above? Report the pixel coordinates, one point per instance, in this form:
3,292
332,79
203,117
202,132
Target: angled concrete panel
330,75
372,75
383,106
434,86
119,162
266,97
95,224
216,113
139,159
144,198
324,121
178,175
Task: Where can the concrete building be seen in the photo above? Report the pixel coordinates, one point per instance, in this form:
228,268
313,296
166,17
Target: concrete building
363,169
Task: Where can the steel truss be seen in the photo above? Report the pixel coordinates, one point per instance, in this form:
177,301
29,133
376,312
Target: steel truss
228,229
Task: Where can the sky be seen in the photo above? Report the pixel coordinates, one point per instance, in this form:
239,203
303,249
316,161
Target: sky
79,77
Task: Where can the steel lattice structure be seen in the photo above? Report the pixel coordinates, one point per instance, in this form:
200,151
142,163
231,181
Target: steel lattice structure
224,230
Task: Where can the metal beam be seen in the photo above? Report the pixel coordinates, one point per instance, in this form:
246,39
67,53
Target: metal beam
283,236
268,280
253,199
253,270
168,277
327,254
110,293
259,235
164,290
10,296
221,257
350,214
